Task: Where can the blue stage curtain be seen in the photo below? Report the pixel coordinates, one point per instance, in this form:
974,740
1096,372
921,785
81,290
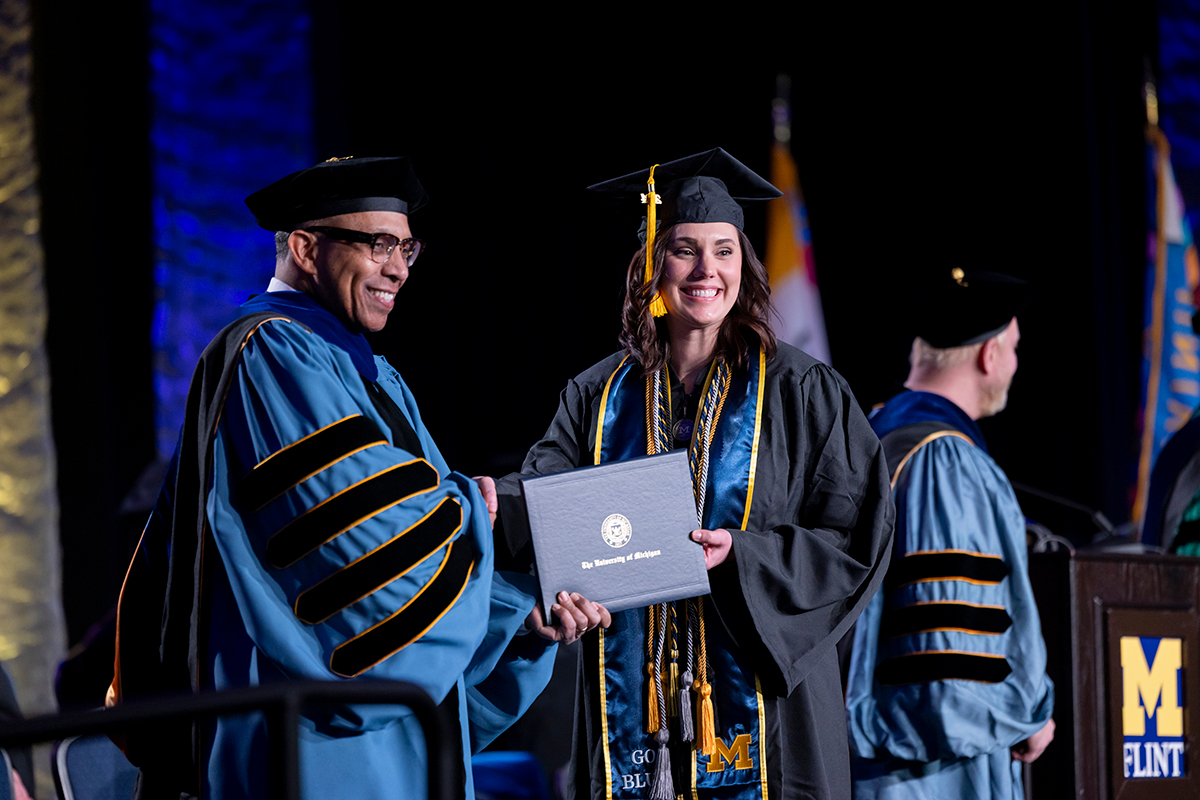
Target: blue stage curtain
232,111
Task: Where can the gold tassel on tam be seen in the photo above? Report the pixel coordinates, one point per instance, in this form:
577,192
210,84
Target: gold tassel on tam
651,199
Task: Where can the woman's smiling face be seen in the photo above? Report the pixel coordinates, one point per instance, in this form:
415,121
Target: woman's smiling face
702,273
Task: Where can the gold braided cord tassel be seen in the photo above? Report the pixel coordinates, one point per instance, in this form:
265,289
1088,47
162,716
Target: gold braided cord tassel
651,669
657,308
652,702
720,403
706,742
706,736
673,687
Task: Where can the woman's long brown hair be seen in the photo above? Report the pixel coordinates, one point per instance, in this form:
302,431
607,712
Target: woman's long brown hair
745,329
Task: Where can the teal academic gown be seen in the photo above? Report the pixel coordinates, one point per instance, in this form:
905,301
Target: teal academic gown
340,547
949,667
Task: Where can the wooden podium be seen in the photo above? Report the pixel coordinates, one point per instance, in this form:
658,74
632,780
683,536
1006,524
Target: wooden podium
1123,644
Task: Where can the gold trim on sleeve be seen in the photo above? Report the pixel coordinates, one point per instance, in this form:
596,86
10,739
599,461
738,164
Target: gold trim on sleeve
922,443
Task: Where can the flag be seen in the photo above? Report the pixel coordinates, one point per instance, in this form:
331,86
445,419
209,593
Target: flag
799,319
1171,354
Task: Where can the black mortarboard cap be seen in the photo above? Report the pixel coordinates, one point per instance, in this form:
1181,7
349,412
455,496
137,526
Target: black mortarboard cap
962,307
707,187
338,186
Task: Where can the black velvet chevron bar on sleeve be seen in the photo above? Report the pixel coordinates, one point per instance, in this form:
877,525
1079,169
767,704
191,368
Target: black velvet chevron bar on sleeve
284,469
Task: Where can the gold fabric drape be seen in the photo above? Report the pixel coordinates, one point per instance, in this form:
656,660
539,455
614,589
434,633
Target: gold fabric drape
31,620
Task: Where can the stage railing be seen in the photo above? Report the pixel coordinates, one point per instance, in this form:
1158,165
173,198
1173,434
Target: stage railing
281,703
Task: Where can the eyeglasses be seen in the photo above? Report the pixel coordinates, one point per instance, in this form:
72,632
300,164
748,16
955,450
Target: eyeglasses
382,244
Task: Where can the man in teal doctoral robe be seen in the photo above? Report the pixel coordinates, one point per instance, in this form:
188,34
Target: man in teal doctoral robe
310,529
948,692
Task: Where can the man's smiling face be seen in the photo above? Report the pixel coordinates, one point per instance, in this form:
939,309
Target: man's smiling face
347,282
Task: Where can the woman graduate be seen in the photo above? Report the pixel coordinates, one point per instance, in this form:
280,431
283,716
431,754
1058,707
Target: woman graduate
736,694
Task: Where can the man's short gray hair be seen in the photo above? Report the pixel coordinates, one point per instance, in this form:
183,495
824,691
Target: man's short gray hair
281,245
938,358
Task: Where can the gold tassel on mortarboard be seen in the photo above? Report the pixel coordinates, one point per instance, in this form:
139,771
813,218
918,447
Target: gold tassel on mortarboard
651,199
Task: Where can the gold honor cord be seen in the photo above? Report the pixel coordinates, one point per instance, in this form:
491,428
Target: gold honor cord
651,199
652,722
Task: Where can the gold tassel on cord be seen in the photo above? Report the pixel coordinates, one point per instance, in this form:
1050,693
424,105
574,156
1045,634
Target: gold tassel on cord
652,694
706,736
673,690
651,199
652,706
706,742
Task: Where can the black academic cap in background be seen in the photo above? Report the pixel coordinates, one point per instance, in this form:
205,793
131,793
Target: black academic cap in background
961,307
338,186
707,187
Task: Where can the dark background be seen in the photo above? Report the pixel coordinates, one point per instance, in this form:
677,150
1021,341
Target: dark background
1008,138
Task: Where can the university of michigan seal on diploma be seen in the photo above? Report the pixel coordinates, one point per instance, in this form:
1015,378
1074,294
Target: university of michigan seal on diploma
616,530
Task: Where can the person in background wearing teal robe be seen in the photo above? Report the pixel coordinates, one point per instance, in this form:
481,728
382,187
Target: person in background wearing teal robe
947,692
310,529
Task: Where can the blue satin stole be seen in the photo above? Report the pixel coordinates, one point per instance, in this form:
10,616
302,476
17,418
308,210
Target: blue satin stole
738,770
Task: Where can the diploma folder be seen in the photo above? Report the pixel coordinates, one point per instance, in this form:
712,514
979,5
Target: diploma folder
617,533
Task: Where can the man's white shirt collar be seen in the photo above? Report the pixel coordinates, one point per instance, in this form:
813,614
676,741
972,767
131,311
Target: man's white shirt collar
277,285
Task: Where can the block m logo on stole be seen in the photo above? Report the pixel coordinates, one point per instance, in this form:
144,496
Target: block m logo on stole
737,755
1151,712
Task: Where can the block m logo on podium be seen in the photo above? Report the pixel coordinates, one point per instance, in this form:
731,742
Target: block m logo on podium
1151,711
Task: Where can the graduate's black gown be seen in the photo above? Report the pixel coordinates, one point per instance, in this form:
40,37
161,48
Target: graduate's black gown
814,551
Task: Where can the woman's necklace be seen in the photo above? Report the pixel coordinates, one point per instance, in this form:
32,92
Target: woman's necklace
686,424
